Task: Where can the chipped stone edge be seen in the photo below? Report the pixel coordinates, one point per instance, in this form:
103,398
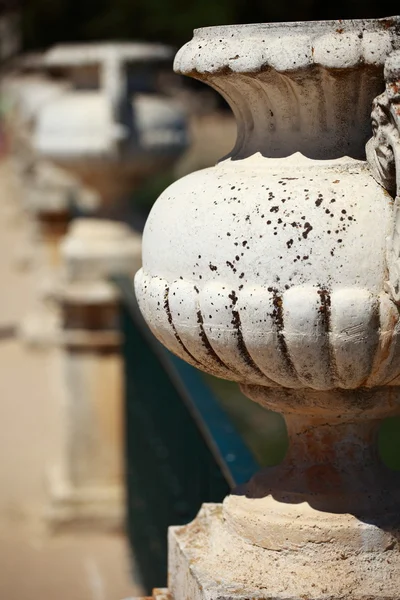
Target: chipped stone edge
288,46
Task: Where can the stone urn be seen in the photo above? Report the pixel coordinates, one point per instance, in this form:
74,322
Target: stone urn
279,269
49,194
115,126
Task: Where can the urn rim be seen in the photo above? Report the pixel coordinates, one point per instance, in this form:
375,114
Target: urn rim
285,47
380,22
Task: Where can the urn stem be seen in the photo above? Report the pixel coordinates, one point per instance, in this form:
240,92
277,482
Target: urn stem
333,464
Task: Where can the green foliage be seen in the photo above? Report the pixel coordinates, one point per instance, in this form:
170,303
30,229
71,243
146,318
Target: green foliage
46,22
389,443
49,21
264,431
144,197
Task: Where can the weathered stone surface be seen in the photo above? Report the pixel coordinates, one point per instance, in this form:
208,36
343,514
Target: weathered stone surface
208,561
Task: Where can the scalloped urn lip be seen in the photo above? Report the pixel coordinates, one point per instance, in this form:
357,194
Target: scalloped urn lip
289,46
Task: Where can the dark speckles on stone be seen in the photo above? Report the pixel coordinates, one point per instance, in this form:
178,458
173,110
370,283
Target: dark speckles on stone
274,209
307,229
241,275
212,267
318,202
244,243
237,257
233,297
228,234
229,264
289,243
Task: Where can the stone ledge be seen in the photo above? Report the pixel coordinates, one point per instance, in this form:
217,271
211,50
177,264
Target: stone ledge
207,561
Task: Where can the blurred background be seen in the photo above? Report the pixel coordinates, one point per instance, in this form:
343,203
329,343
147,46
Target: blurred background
106,439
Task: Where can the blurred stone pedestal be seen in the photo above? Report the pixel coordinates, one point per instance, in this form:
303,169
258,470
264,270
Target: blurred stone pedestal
88,488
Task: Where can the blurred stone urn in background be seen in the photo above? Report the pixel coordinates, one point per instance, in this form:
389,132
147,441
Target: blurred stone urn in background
117,124
88,123
106,114
279,268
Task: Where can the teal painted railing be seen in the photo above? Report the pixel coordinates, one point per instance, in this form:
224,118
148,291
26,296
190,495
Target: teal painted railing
181,446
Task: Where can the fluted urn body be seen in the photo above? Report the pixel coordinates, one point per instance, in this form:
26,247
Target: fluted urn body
272,268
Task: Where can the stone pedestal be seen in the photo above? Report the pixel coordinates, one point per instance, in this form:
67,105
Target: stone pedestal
207,560
88,488
52,197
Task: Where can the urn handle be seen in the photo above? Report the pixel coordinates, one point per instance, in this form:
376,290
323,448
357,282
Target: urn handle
383,155
383,149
